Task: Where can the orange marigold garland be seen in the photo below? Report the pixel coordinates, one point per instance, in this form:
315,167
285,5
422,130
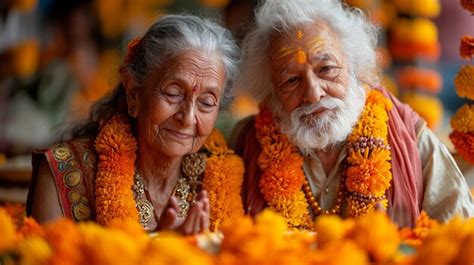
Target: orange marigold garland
467,47
464,82
116,148
283,175
464,144
223,181
368,174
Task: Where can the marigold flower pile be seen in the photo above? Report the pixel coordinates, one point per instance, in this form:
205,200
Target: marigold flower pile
370,239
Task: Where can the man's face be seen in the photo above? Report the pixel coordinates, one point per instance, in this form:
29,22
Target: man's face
315,95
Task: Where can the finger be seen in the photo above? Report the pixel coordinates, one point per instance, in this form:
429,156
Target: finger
199,220
173,203
168,219
205,222
201,195
193,215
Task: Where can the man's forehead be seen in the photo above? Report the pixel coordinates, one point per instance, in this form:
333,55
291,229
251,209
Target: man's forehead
310,37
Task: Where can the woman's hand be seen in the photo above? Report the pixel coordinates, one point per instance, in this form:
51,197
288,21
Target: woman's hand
197,220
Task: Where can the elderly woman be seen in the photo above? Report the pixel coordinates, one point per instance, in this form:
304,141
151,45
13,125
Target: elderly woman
139,155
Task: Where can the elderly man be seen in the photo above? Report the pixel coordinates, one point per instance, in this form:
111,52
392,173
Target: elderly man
328,139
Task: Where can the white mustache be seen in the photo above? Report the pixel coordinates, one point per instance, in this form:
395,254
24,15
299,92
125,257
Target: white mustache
327,103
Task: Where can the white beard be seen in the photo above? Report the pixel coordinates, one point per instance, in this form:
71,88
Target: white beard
326,130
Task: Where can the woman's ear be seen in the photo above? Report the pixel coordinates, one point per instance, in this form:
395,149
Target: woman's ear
131,92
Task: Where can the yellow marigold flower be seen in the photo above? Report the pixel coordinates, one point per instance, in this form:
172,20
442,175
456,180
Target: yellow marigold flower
465,253
419,30
423,8
7,230
467,47
34,250
371,230
464,82
283,182
329,228
463,119
101,245
174,250
342,253
440,251
428,107
294,209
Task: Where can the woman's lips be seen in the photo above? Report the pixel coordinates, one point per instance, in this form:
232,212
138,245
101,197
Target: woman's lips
179,135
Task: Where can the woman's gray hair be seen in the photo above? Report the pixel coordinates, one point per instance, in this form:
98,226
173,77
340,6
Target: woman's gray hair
173,34
358,35
169,36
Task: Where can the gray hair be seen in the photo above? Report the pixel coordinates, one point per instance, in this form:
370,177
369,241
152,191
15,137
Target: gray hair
358,36
169,36
173,34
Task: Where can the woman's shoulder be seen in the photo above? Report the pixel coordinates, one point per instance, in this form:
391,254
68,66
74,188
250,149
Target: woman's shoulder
73,166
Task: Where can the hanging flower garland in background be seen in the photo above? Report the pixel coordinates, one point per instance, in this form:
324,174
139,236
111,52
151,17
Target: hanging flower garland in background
414,45
462,122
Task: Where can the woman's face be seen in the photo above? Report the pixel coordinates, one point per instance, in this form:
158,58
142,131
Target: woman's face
178,105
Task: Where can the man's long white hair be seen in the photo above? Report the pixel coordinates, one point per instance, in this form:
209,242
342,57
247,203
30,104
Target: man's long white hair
357,34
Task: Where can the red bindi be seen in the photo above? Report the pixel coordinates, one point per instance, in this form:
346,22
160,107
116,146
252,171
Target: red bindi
195,89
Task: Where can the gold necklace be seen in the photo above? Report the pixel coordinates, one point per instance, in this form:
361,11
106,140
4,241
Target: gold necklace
185,191
144,206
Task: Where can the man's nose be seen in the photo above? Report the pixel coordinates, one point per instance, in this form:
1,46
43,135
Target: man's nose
314,92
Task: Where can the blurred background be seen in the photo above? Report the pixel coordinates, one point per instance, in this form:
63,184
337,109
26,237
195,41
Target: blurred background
57,57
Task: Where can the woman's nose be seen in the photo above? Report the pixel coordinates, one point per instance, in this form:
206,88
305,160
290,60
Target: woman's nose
187,114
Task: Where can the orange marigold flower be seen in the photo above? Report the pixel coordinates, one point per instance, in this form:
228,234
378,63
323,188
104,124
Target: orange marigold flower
31,228
468,5
464,82
406,51
464,144
216,143
294,209
369,175
372,229
418,78
329,228
285,182
463,119
467,47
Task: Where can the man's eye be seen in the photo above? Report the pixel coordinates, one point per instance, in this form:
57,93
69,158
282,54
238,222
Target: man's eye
326,68
292,79
171,95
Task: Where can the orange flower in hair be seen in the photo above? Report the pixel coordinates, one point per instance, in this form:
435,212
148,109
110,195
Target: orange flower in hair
467,47
131,48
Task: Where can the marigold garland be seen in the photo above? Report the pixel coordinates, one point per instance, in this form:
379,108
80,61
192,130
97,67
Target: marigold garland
223,179
424,8
467,47
418,78
368,174
464,144
116,147
464,82
463,119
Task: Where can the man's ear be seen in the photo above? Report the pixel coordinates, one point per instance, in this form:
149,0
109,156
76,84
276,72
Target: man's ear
131,94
